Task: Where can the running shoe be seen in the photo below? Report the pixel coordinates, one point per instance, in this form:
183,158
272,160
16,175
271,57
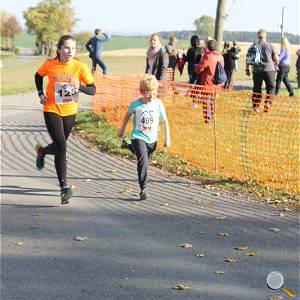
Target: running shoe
143,195
126,143
66,194
40,157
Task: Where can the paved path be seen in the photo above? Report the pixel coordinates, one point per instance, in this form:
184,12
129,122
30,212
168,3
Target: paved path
131,251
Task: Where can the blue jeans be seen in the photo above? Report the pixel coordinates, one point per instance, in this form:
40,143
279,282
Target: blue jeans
100,62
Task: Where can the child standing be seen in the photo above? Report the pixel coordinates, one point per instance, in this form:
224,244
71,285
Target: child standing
147,112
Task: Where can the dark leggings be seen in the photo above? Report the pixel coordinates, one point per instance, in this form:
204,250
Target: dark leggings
144,152
59,129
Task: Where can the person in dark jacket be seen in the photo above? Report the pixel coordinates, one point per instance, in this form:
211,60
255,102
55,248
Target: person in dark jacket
172,52
298,67
193,57
95,47
157,58
229,55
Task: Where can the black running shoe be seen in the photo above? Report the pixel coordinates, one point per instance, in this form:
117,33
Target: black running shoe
40,157
66,194
143,195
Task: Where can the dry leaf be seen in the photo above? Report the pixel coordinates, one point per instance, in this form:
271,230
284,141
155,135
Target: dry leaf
185,245
242,248
289,292
274,229
221,218
19,243
225,234
276,298
73,186
230,259
164,204
111,170
126,190
180,287
80,238
217,194
88,180
251,253
282,214
220,272
84,174
199,255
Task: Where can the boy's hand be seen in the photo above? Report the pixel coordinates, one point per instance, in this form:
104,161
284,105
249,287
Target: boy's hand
167,144
120,133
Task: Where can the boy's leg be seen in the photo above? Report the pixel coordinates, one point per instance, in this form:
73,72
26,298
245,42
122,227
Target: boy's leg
151,149
141,151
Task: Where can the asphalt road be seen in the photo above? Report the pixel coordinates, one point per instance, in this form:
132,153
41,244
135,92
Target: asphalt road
131,251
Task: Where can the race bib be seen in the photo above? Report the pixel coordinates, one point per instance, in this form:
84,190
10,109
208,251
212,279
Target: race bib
145,120
65,93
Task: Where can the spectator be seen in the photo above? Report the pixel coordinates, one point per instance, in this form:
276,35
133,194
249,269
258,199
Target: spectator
193,57
95,47
262,56
298,67
284,67
157,58
172,52
206,71
229,55
236,49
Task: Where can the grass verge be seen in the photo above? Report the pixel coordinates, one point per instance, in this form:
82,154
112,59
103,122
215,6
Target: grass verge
103,135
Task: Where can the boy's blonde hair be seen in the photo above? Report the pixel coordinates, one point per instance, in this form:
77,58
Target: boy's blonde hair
148,83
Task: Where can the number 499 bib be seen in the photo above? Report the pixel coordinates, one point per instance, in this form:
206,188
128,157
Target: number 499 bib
65,93
145,120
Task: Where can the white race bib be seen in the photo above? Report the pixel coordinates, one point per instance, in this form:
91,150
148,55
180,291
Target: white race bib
146,120
65,93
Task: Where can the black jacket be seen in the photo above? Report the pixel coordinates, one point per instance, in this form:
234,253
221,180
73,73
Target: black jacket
160,65
229,59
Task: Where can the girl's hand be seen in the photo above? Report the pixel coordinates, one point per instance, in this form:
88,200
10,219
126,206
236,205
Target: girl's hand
43,99
120,133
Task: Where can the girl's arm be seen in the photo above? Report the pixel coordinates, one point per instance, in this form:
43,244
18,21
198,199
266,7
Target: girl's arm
39,86
124,124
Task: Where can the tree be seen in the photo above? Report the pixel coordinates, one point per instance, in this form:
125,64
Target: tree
82,38
10,27
205,26
220,16
49,20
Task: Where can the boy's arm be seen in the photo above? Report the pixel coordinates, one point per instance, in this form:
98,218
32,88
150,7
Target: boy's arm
124,124
167,143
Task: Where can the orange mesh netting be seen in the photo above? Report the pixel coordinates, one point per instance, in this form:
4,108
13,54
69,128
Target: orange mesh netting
218,131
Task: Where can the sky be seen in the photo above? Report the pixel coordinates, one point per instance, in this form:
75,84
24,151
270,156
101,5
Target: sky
130,17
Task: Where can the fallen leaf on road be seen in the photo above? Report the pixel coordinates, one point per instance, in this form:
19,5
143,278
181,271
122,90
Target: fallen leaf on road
80,238
19,243
274,229
241,248
220,272
199,255
111,170
217,194
180,287
230,259
164,204
221,218
276,298
185,245
282,214
225,234
126,190
251,253
84,174
88,180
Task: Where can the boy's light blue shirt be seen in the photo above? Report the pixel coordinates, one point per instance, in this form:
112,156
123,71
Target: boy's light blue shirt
146,119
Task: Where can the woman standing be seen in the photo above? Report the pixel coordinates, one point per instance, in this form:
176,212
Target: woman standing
229,56
65,74
193,57
157,58
284,67
172,52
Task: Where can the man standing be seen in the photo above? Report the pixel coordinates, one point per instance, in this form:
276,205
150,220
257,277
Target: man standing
262,57
94,46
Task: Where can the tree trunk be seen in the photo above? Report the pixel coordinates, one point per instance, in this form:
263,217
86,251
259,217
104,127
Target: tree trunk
219,22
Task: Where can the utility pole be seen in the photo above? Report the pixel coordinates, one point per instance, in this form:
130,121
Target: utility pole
282,17
219,22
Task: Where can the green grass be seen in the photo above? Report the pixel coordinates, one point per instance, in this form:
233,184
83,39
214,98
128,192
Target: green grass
103,135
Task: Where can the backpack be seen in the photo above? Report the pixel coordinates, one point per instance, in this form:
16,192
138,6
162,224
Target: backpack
220,74
254,55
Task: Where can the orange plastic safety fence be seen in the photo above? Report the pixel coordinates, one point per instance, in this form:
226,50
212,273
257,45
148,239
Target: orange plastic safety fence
218,130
